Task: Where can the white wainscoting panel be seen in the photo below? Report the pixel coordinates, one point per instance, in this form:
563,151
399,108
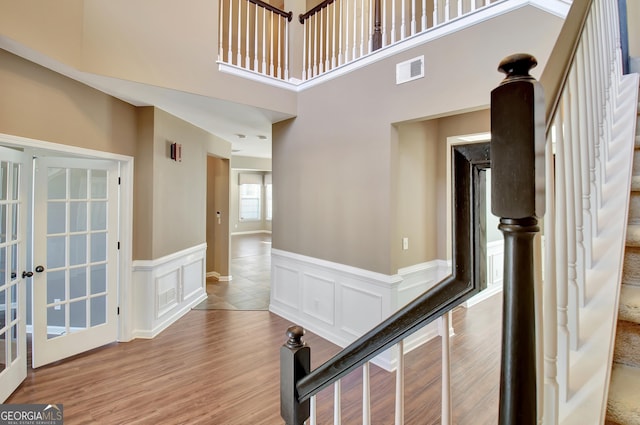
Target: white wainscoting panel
167,288
319,298
340,303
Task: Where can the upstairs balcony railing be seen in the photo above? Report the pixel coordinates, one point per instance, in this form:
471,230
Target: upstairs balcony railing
255,35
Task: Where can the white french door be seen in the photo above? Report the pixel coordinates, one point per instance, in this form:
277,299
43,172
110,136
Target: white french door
13,248
75,256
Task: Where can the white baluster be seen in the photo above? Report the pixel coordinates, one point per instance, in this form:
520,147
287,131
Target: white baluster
384,23
423,24
577,94
561,268
473,5
255,40
550,296
341,58
594,140
403,31
366,395
346,30
247,60
312,411
413,17
271,64
220,24
337,417
315,44
362,36
230,35
436,3
327,62
321,38
371,26
264,41
354,53
286,50
459,9
446,409
333,37
393,21
586,136
399,414
566,252
280,19
305,41
239,52
447,7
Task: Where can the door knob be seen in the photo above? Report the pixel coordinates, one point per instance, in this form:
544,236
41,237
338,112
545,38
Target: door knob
39,269
27,274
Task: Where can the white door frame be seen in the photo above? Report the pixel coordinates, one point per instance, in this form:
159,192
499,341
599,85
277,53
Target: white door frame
125,210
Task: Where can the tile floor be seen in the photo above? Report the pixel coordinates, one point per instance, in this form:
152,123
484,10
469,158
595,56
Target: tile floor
250,286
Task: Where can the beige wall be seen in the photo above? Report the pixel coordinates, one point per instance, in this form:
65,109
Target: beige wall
180,188
415,194
51,27
44,105
169,197
218,201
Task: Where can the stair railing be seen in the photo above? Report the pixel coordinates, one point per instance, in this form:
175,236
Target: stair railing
337,32
582,83
299,384
254,36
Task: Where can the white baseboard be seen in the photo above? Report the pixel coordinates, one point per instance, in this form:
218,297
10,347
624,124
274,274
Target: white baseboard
251,232
218,277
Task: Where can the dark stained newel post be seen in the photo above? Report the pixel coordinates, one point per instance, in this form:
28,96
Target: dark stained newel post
517,197
295,363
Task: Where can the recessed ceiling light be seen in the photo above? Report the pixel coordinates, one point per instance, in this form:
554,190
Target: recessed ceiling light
261,137
235,150
240,136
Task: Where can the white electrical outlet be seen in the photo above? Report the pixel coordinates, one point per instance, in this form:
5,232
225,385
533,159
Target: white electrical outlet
405,244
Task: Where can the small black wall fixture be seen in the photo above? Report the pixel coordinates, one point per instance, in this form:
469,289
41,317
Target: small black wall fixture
176,152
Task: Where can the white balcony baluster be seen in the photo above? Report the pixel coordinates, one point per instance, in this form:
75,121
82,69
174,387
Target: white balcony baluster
399,416
366,394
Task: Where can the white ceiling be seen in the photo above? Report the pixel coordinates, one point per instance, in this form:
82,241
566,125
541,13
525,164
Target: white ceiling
224,119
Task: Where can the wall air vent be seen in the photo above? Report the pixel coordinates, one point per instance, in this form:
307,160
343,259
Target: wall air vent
410,70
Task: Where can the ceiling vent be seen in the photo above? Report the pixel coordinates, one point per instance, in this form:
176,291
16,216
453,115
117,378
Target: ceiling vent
410,70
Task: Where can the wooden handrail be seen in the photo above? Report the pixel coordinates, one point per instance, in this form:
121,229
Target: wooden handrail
288,15
304,16
467,278
556,71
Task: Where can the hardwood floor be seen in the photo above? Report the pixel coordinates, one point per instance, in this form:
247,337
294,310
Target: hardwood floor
221,367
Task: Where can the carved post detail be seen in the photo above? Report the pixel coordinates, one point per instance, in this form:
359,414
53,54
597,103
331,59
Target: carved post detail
517,195
295,363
